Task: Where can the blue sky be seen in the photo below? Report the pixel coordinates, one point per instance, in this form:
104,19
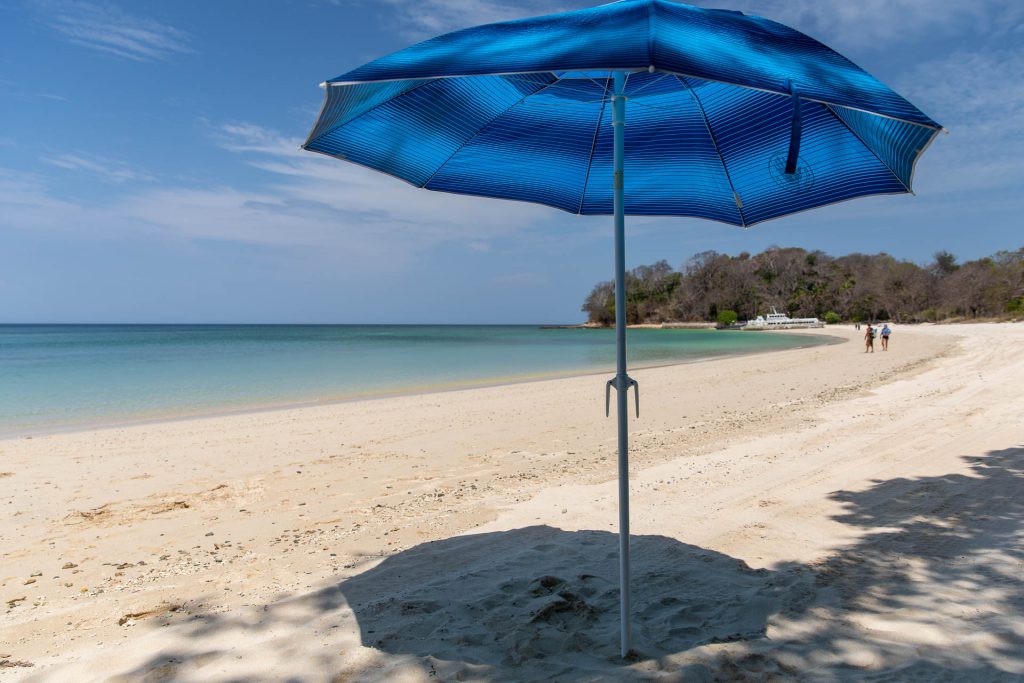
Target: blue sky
150,170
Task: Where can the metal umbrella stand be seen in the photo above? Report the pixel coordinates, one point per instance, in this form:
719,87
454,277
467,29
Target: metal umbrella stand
622,381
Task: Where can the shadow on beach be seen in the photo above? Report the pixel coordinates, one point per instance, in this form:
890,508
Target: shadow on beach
933,591
543,603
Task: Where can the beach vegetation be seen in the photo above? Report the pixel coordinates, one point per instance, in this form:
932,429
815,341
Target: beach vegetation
944,263
727,317
832,318
600,305
855,287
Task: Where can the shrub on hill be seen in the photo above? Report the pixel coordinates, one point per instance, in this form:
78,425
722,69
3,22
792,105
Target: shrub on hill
727,317
855,287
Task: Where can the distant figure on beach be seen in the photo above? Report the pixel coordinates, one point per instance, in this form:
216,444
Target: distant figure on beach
885,337
869,339
856,326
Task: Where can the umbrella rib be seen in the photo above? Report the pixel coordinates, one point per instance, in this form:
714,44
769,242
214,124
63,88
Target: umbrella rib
806,99
329,92
633,69
593,144
484,127
566,104
647,85
714,142
424,84
917,157
583,77
868,147
323,107
656,107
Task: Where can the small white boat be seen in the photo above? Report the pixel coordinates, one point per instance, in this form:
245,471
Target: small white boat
781,321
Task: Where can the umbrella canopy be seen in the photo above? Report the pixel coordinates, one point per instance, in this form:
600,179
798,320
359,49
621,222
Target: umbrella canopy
733,118
519,110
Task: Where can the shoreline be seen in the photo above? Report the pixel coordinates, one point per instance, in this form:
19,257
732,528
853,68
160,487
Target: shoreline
241,529
30,433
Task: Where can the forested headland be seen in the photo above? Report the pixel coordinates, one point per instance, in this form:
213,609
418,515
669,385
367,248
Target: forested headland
714,287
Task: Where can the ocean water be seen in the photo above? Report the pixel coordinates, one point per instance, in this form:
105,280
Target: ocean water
59,377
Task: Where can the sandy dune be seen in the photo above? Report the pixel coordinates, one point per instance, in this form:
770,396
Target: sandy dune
815,514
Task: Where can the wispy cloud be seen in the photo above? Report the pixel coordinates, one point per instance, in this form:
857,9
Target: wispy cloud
351,193
109,170
980,99
425,18
26,204
982,91
365,220
107,28
880,24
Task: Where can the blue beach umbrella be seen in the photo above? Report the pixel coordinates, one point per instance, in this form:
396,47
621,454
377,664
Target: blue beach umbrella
732,117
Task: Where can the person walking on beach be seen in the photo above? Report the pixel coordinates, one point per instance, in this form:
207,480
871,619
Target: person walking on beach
885,337
869,339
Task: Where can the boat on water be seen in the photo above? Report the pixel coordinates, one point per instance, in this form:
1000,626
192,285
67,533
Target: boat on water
780,321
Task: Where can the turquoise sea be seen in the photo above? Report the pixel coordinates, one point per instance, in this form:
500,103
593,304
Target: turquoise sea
60,377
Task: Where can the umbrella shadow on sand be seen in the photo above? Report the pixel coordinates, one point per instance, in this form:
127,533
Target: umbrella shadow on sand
530,604
932,591
541,602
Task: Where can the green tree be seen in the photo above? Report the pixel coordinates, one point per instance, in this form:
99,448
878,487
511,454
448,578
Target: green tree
945,263
727,317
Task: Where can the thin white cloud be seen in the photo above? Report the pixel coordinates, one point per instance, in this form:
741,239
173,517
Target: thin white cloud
248,137
982,91
980,99
300,178
425,18
881,24
180,214
107,28
26,204
365,220
109,170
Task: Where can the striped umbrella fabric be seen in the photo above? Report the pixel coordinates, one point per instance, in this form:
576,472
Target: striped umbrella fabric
720,103
732,118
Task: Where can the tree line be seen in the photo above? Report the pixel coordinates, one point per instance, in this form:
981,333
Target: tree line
858,287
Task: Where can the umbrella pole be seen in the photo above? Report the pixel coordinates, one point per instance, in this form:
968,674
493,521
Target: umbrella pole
622,380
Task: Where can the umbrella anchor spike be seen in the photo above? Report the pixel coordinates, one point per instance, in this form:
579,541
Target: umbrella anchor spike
613,384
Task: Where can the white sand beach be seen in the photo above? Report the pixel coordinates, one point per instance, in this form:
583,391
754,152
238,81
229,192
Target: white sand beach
812,514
